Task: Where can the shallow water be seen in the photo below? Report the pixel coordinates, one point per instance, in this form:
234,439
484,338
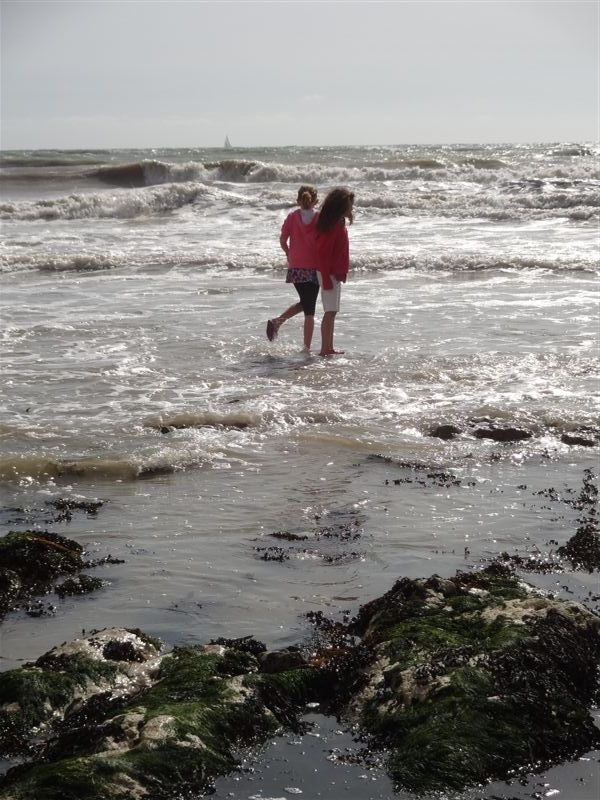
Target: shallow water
127,308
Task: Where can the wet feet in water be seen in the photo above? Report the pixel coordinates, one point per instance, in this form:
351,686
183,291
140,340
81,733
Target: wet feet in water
271,330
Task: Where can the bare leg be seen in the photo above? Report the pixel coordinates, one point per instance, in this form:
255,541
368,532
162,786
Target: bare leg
309,326
327,326
287,314
274,324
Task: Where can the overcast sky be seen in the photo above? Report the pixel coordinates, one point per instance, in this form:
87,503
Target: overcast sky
135,73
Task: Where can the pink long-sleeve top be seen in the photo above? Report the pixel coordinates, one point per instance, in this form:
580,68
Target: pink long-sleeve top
333,254
301,238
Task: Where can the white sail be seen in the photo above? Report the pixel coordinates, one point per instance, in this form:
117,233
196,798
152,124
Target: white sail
227,144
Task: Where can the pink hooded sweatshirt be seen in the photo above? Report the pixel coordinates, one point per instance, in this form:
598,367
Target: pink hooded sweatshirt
301,236
333,254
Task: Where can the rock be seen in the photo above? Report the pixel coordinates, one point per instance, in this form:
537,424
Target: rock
83,584
282,660
577,440
445,431
65,678
583,548
502,434
185,728
31,560
483,682
458,680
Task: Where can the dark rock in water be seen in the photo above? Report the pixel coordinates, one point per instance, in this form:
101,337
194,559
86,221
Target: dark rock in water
39,555
66,507
502,434
246,644
458,680
445,431
37,608
30,562
567,438
583,549
63,510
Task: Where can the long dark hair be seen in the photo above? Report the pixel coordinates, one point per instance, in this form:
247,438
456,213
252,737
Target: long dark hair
336,206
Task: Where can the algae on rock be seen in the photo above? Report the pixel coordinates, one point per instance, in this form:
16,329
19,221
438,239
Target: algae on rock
460,680
473,678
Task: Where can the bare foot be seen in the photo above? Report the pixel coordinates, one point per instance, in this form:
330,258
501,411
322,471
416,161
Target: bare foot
273,326
326,353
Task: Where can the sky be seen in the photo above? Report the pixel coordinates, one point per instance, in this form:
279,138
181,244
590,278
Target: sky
174,73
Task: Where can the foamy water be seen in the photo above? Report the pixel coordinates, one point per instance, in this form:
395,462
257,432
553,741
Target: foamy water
135,291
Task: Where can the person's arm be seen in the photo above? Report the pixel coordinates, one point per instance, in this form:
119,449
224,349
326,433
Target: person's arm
283,241
325,275
340,254
285,236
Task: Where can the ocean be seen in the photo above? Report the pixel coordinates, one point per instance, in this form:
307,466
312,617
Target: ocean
135,290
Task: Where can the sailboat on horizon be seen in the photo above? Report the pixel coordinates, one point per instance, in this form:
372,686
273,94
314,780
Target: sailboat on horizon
227,144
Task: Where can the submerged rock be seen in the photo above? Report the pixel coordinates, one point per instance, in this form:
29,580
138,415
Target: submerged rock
459,680
83,584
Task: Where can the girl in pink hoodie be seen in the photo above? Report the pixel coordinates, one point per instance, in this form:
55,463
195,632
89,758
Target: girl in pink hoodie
297,241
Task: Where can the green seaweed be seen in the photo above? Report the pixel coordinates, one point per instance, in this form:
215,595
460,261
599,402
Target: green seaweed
454,689
82,584
42,689
68,779
39,555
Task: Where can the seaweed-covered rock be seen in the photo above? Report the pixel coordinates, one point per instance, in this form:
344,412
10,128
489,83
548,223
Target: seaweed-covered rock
35,696
469,679
82,584
174,737
583,548
29,562
459,680
39,555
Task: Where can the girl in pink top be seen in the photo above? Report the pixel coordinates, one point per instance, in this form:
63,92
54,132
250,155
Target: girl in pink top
297,241
333,259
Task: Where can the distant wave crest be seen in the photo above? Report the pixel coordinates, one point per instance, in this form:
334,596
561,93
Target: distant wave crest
148,173
120,205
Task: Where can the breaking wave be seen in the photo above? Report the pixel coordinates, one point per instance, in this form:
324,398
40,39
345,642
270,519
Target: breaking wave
40,468
208,419
257,263
122,204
